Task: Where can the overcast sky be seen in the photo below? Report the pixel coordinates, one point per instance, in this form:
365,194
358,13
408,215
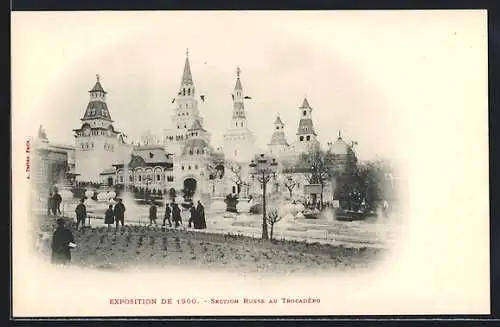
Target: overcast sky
366,73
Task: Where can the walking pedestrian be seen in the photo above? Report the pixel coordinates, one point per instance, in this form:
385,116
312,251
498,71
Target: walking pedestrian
109,216
168,211
62,239
193,219
152,214
81,214
119,212
176,214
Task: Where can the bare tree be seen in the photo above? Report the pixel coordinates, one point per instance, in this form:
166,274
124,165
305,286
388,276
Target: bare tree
272,218
290,184
237,174
316,167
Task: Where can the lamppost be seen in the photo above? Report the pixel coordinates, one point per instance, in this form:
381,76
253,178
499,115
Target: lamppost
263,170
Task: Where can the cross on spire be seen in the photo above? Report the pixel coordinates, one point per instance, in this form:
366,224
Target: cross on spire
187,52
238,71
97,77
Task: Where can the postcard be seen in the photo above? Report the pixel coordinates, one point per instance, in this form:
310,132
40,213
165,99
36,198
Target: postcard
249,163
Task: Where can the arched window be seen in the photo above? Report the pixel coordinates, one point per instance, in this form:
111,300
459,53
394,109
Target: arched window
182,167
158,177
308,137
189,167
301,138
197,151
189,93
190,152
183,91
195,166
139,178
130,178
304,113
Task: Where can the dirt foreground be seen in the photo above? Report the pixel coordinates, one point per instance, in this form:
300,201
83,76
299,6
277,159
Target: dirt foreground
133,246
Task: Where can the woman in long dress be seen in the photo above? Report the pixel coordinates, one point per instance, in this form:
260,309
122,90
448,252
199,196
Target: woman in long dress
200,216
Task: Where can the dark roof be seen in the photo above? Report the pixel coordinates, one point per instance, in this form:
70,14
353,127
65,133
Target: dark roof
187,78
305,104
97,109
98,88
306,127
191,144
238,84
278,121
151,154
196,126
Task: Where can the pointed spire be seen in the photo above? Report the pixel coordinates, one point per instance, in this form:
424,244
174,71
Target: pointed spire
238,82
98,87
278,120
187,78
305,104
340,136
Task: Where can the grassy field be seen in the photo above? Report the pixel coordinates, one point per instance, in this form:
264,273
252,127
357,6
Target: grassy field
140,245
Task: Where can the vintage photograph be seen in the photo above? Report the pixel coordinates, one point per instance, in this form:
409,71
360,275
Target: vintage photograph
258,144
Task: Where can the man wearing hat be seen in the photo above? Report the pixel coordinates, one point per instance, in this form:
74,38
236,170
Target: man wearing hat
62,239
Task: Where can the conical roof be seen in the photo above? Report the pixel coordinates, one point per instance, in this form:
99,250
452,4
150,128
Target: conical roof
278,121
196,125
97,86
305,104
187,78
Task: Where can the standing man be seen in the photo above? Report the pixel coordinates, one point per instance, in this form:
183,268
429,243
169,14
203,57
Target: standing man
109,216
61,244
152,214
81,214
57,203
119,213
168,211
176,214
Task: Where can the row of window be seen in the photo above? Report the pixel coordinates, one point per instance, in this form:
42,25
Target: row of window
90,146
97,94
139,178
103,112
189,167
308,138
236,124
188,91
94,133
234,138
184,113
197,151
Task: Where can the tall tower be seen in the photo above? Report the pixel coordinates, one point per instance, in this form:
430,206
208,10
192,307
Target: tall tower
306,135
278,145
239,141
186,112
97,143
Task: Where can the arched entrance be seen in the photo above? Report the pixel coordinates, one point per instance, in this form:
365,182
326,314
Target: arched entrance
189,187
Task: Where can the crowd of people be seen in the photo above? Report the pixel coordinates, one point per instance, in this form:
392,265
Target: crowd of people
63,239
